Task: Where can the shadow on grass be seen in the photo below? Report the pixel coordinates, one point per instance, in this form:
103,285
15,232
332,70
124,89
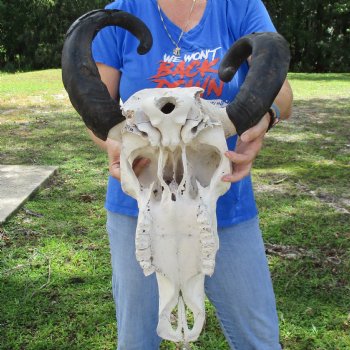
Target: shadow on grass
333,107
314,77
313,143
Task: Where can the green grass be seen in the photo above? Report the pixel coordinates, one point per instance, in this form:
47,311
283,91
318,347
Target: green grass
55,272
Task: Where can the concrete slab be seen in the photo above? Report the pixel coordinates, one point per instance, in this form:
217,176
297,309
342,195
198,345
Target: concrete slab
18,183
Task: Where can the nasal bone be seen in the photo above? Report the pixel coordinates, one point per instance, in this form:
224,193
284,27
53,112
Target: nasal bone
171,144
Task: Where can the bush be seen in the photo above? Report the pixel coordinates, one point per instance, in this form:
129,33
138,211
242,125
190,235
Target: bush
318,32
32,31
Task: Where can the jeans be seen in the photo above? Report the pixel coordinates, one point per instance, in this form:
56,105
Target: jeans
240,289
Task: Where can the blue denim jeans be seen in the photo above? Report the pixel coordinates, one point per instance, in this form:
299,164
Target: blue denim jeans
240,289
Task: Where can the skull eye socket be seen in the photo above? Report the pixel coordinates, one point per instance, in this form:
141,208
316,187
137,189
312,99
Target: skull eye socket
149,173
203,160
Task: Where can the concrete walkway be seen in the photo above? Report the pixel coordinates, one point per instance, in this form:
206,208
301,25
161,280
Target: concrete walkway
18,183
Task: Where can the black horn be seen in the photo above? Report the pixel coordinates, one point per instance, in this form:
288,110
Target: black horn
268,70
87,93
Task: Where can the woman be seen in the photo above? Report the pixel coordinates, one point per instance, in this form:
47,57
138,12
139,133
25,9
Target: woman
190,38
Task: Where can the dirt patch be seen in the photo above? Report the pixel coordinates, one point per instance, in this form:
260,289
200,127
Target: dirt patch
339,204
294,253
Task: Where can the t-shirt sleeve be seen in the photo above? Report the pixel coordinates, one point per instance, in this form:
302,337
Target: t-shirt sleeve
248,16
256,19
105,46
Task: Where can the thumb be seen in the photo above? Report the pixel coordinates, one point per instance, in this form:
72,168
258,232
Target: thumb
257,130
139,164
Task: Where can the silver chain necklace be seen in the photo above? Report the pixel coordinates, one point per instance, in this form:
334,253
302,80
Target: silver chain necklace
177,50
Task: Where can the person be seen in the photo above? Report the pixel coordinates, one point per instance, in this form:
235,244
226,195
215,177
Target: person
190,38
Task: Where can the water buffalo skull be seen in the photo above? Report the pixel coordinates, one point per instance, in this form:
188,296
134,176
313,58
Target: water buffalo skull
183,136
176,234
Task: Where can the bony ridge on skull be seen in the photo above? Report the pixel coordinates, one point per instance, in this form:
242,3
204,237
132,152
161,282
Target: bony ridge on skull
176,235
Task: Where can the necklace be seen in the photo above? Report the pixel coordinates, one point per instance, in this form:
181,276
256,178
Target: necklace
177,50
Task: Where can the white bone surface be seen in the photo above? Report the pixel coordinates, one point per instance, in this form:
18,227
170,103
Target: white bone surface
176,234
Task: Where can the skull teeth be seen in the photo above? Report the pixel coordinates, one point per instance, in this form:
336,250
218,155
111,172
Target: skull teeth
207,240
143,243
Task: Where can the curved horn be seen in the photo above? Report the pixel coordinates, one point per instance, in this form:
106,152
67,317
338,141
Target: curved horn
87,93
268,71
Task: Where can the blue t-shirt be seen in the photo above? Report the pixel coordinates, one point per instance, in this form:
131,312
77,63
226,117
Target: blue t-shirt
202,49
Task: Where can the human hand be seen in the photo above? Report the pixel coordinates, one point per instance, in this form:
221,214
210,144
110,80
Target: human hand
113,151
247,148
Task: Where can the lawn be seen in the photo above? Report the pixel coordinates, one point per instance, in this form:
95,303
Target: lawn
55,272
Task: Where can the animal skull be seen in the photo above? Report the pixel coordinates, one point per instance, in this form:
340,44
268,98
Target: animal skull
176,234
184,138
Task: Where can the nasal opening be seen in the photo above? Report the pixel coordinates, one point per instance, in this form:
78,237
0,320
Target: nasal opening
173,170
